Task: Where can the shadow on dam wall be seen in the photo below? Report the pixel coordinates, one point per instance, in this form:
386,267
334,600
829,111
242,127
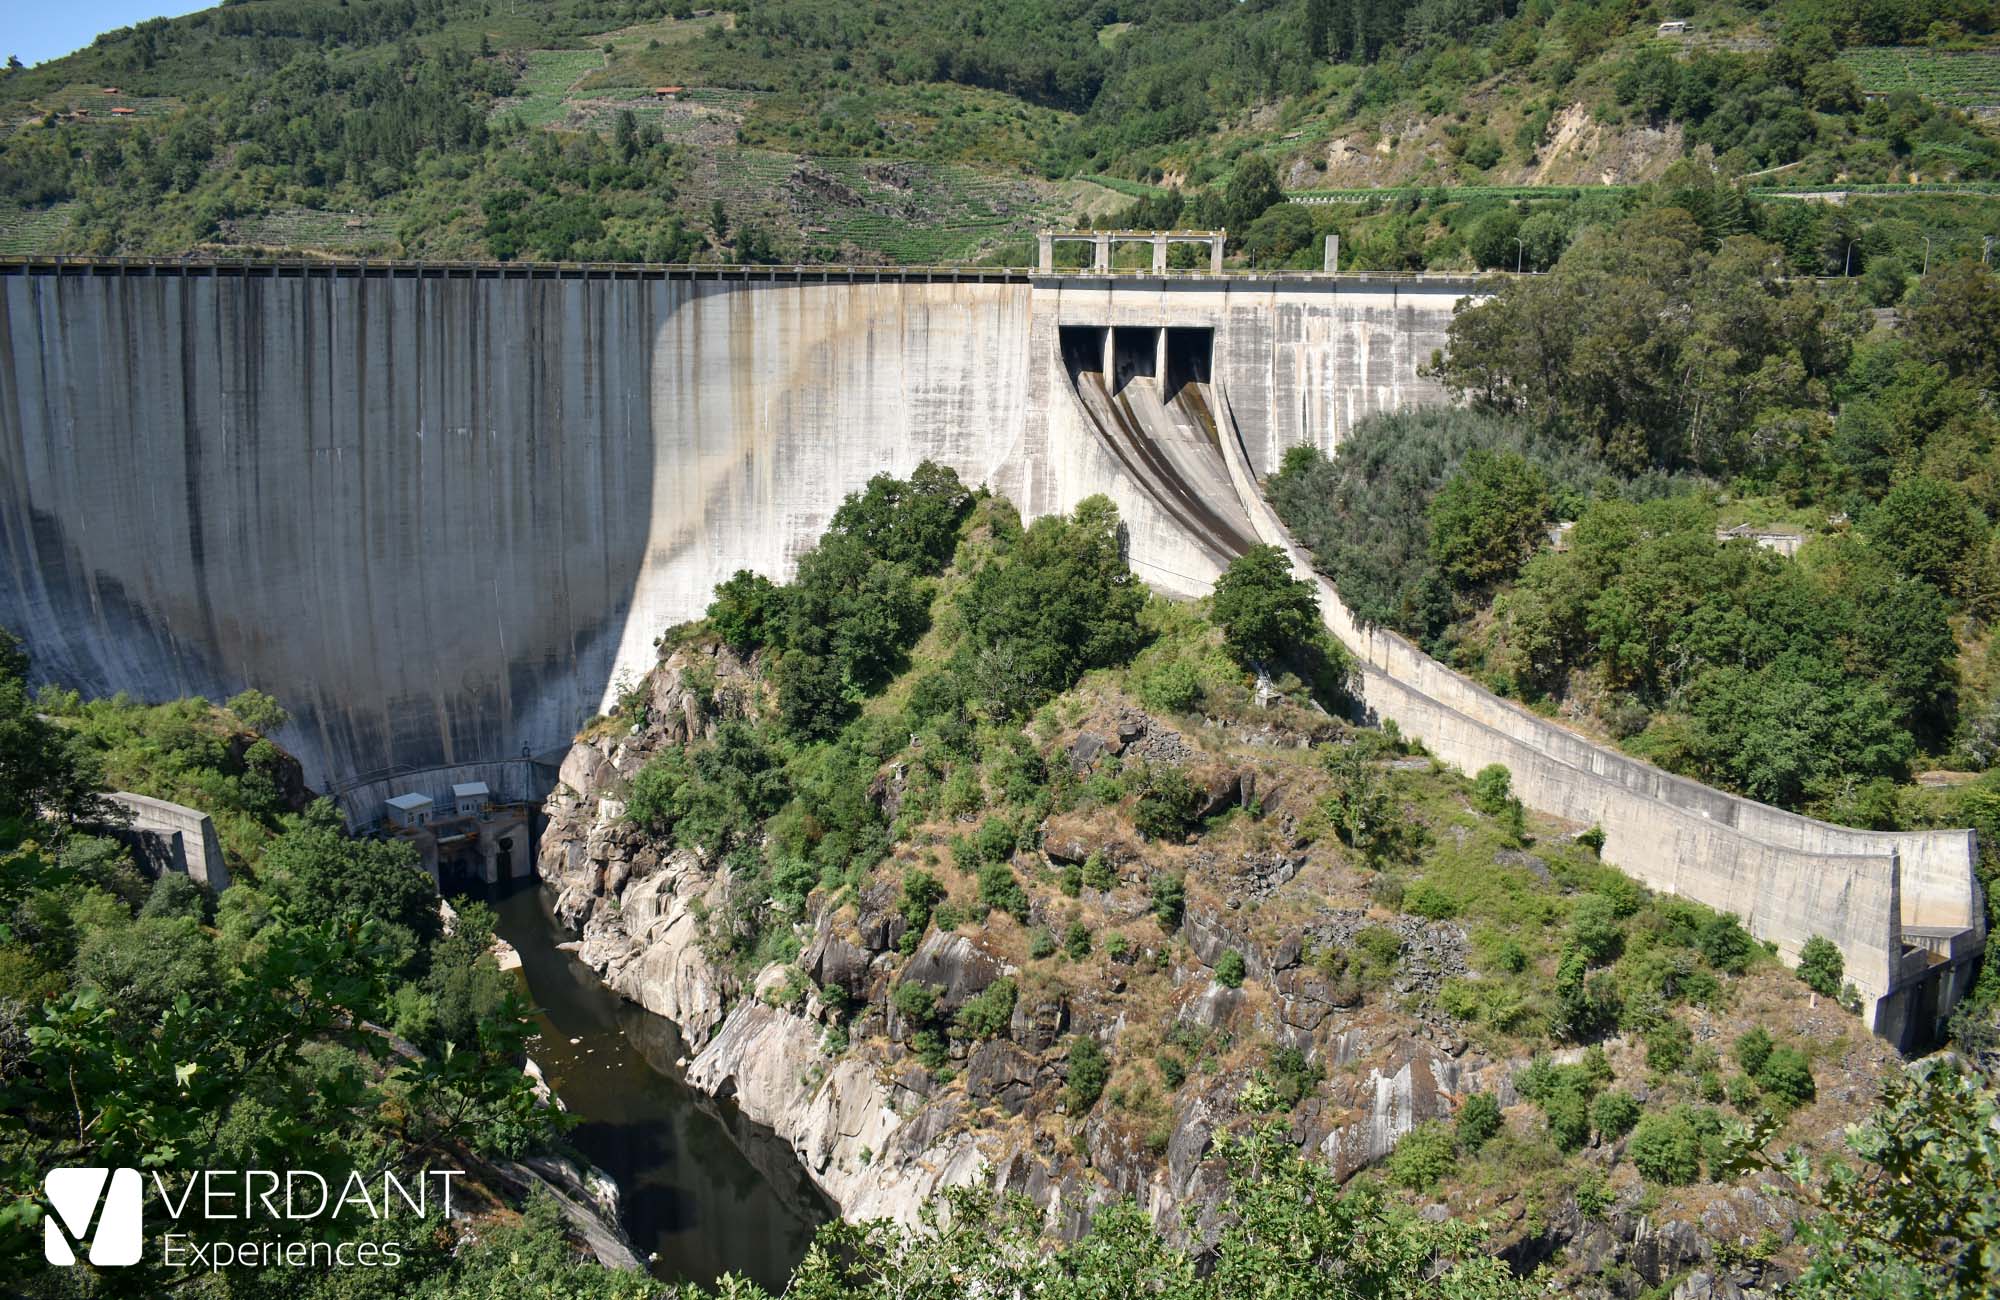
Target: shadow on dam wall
443,513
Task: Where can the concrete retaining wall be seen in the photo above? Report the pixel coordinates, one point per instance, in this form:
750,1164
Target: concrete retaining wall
174,837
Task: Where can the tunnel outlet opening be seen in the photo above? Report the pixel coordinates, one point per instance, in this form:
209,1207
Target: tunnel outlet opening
1190,355
1083,347
1135,354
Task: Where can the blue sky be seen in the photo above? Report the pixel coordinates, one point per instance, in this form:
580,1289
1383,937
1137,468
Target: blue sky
37,30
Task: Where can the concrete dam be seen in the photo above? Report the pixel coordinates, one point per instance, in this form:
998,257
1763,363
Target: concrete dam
443,512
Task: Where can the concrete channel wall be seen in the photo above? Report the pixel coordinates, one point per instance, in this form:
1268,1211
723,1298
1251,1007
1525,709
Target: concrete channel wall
1788,877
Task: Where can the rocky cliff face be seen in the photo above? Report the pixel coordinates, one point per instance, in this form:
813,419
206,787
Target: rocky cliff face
818,1049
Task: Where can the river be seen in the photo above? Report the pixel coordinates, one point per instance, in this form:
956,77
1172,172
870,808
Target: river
703,1189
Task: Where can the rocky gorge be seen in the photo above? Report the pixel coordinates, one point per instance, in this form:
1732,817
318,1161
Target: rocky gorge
817,1048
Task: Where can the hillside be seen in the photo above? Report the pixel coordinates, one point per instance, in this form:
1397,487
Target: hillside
1060,888
931,131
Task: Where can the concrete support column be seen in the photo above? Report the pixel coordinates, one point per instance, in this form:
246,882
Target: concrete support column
1045,251
1333,254
1111,359
1102,260
1215,252
1160,253
1160,360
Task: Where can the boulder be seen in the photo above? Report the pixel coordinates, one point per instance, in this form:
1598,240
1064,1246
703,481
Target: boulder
1003,1073
955,966
1039,1022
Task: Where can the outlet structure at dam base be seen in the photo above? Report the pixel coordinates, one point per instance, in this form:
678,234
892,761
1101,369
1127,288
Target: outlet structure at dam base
442,512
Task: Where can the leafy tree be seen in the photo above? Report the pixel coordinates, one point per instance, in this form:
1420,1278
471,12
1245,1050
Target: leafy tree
1916,1217
1169,803
1488,519
1253,190
1425,1155
1613,1114
1666,1148
1955,322
1000,888
1263,611
259,712
1753,1048
1089,1070
1229,969
1725,944
1821,966
1479,1120
318,876
987,1013
1786,1077
1060,602
748,611
1930,530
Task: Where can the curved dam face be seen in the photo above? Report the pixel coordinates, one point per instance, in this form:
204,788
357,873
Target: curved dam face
441,513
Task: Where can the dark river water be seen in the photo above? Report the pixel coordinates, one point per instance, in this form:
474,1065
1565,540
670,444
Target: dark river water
703,1189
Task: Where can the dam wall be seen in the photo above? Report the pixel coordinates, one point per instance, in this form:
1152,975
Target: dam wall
441,513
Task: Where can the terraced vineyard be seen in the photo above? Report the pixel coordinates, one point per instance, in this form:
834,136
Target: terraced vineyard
545,84
1962,78
307,228
33,230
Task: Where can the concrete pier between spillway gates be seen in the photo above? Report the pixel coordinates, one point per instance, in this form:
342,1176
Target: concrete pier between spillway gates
443,511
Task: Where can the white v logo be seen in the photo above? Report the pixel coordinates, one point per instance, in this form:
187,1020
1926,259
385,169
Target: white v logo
75,1194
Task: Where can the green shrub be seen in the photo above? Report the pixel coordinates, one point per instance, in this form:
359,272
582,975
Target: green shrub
1594,928
1169,900
986,1014
1493,790
1229,970
1076,942
1668,1045
1821,966
1613,1114
1428,901
1097,872
1753,1048
1041,943
1173,687
1381,945
1568,1115
1479,1119
1172,1068
1118,947
1426,1154
1786,1078
1089,1069
1168,803
999,888
915,1001
1725,944
1666,1148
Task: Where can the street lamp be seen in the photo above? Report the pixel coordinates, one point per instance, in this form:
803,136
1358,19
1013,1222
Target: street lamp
1850,259
1520,251
1927,257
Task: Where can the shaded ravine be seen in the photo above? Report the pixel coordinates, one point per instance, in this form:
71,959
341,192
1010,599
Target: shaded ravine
702,1189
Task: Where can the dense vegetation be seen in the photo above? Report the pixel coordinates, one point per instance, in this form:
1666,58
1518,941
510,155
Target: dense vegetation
1665,381
457,127
145,1024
